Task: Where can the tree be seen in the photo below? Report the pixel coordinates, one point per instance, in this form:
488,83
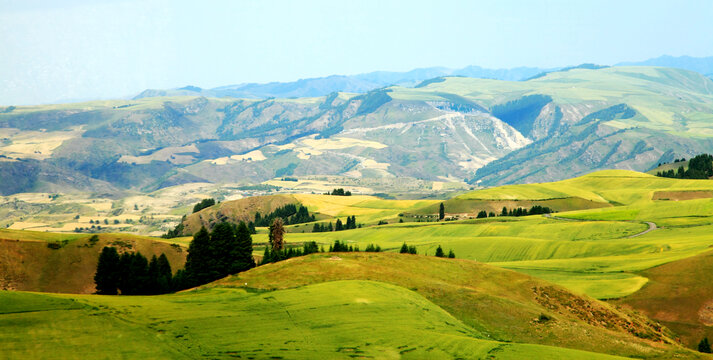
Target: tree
404,249
224,248
412,250
152,280
276,235
243,257
199,263
482,214
439,252
134,278
504,212
441,212
451,254
165,276
107,275
203,204
338,226
704,346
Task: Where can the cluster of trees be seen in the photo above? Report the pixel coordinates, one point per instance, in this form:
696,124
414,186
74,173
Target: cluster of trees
203,204
339,226
704,346
405,249
535,210
339,192
440,253
290,214
699,167
106,221
132,274
176,232
211,256
271,255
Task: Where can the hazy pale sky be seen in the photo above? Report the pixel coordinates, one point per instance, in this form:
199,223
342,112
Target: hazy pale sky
57,50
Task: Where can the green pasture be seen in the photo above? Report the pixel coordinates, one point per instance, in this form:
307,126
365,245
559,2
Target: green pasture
336,320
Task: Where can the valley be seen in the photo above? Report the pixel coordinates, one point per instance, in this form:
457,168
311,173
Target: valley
598,245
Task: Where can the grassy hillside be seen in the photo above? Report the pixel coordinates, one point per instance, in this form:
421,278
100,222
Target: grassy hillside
365,305
49,262
679,295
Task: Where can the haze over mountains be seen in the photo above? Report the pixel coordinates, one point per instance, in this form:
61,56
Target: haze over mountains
362,83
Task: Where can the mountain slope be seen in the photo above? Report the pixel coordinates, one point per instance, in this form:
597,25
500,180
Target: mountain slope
491,132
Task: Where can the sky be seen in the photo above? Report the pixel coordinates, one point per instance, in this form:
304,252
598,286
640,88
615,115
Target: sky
58,51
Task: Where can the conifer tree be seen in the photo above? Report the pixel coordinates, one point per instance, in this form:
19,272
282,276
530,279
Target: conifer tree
451,254
165,276
199,267
404,249
338,226
439,252
704,346
243,256
441,212
107,275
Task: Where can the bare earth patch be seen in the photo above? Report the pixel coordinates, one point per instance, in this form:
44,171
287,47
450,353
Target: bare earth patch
682,195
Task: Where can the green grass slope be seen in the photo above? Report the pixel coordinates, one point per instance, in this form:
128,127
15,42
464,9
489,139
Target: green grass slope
499,304
336,306
679,295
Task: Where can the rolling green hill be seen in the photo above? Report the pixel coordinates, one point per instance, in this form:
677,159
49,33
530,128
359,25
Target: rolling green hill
626,236
337,306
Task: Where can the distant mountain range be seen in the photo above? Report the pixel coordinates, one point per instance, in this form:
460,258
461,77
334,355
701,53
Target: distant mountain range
702,65
488,132
363,83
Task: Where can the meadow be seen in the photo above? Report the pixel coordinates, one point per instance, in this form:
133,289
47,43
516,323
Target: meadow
320,307
487,302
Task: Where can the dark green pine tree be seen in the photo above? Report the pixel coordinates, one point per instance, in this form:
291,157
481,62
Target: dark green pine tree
504,212
316,228
339,226
243,257
451,254
224,248
266,256
165,276
441,212
108,272
704,346
439,252
404,249
152,286
199,267
134,279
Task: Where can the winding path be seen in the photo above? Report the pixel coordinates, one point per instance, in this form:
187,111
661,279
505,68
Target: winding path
652,226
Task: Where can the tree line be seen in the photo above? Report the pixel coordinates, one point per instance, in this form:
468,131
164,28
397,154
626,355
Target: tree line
132,274
406,249
339,192
699,167
211,256
290,214
339,225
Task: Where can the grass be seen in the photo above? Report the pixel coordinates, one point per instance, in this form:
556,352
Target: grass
362,305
